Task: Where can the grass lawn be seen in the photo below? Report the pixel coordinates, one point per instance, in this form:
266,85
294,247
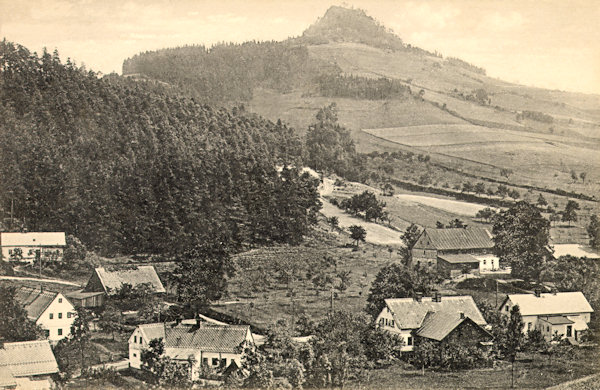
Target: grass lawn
531,372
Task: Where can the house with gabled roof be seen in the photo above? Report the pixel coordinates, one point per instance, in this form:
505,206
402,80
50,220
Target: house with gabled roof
455,250
17,246
52,311
436,318
566,314
193,342
27,365
110,280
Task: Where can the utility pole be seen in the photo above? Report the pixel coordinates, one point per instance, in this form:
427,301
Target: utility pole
496,293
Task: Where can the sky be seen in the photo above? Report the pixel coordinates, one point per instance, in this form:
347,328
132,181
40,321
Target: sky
546,43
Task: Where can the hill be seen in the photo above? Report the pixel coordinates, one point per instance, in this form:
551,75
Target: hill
136,168
380,82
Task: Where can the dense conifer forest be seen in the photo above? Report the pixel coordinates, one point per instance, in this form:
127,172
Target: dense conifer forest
137,167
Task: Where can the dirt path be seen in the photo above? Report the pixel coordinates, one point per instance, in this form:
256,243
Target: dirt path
58,281
376,234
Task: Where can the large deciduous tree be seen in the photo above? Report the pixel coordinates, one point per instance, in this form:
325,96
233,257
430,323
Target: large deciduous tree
201,274
593,230
521,237
398,281
14,323
570,213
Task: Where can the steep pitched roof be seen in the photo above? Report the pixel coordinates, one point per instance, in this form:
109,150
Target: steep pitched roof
35,300
549,304
185,339
113,279
437,326
410,314
28,358
459,238
33,239
209,338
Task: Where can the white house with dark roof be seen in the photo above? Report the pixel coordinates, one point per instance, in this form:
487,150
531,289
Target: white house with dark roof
436,318
23,246
52,311
565,313
27,365
202,344
109,280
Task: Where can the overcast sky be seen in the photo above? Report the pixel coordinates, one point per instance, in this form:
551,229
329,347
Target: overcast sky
546,43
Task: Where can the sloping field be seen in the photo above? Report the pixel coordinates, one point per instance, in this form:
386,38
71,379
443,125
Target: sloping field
299,110
452,206
540,159
574,250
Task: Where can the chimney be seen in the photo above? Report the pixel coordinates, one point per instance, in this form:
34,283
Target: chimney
538,292
198,320
419,296
462,315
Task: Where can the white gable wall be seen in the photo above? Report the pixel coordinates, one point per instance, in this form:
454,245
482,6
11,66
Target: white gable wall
63,314
385,321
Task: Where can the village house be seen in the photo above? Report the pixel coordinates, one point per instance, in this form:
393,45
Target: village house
566,314
52,311
202,344
455,250
23,246
439,318
105,282
27,365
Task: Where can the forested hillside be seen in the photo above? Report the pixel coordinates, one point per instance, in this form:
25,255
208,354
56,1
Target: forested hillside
230,72
134,167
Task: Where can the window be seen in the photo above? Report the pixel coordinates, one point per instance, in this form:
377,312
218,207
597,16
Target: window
51,315
60,332
569,330
59,315
134,355
392,324
10,251
140,339
69,315
547,329
205,361
47,332
529,326
506,308
135,339
409,340
59,300
215,361
223,362
484,263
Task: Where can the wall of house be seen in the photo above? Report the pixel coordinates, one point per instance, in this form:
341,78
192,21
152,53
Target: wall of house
63,314
51,253
385,321
489,264
468,334
135,348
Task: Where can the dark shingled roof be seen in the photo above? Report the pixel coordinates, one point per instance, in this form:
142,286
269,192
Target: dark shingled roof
459,238
34,300
114,279
410,314
28,358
